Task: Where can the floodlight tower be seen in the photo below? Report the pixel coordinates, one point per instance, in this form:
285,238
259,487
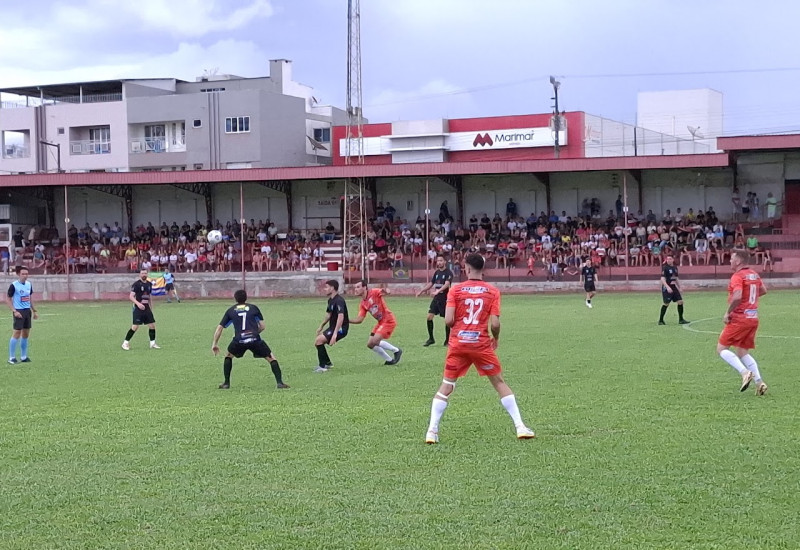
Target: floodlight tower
355,213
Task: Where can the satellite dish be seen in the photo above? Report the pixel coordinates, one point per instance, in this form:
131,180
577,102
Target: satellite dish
695,131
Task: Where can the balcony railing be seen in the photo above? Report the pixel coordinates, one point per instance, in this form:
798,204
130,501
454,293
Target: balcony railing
153,145
16,152
89,147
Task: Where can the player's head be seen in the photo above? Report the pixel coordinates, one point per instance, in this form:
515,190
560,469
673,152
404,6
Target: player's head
669,260
440,262
22,273
240,296
473,264
739,257
143,274
331,287
360,288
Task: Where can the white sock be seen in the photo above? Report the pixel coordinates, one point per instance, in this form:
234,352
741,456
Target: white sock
752,366
509,402
437,410
380,352
386,345
729,357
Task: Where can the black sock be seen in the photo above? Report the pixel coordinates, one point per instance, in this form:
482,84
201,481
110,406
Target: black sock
322,355
446,334
430,329
663,311
276,370
152,333
130,335
680,312
589,301
227,367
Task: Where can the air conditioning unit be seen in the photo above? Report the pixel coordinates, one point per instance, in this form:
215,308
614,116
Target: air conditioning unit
136,147
76,148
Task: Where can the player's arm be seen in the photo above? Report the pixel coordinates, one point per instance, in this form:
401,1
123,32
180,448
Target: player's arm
324,322
132,298
424,288
215,341
9,296
357,320
736,299
33,307
339,323
494,326
762,289
664,285
261,326
450,316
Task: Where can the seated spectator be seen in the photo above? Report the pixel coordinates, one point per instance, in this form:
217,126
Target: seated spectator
330,233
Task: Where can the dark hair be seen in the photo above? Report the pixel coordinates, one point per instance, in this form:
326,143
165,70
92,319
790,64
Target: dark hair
363,282
475,261
240,296
21,268
334,284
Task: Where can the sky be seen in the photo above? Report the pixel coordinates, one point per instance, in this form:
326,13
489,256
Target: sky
427,59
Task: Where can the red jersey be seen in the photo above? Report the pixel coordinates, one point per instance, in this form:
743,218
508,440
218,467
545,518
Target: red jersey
475,301
749,282
374,305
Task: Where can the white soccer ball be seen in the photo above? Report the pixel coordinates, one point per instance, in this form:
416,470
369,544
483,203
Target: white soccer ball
214,237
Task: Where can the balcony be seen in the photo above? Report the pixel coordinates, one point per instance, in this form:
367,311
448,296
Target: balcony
154,145
89,147
16,152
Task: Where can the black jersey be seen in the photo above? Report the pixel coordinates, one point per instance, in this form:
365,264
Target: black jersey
589,273
245,319
141,291
337,305
670,274
440,278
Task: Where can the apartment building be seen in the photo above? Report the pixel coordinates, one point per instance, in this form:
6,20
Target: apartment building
216,122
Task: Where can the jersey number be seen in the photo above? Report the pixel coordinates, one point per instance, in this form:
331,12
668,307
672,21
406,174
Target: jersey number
243,315
753,294
475,307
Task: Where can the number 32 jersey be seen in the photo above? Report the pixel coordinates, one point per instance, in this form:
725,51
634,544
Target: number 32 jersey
475,301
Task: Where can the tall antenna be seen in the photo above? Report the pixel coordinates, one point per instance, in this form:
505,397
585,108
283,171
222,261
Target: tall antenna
355,213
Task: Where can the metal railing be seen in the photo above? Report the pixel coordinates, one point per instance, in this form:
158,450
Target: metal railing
16,152
89,147
149,145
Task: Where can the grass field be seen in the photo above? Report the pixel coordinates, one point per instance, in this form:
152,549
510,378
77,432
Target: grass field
643,440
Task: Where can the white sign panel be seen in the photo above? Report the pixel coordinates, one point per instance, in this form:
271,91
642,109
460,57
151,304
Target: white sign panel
504,139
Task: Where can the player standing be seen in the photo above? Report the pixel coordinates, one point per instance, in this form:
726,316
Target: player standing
18,299
589,278
140,295
741,321
338,324
441,281
248,323
169,285
671,290
372,302
473,310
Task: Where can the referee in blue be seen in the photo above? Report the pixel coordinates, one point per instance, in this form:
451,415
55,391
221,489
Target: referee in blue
19,302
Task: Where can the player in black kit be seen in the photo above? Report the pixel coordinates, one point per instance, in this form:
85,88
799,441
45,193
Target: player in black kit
671,290
140,295
440,282
248,324
589,278
338,324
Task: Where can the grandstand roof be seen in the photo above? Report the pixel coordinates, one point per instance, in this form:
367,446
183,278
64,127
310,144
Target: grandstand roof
759,143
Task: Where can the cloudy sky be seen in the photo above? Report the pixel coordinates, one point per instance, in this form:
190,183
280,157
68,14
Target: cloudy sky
434,58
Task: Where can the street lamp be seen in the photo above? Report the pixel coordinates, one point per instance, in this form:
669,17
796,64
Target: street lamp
58,151
557,118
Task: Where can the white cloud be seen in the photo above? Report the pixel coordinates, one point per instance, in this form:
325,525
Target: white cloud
434,99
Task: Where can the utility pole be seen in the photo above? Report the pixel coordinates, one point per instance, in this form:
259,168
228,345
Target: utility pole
58,151
557,116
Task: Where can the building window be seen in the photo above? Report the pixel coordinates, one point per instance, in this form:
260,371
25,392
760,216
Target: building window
197,123
155,138
237,124
178,134
60,131
323,135
100,140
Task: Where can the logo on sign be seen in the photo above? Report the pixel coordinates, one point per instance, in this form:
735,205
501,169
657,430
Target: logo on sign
482,140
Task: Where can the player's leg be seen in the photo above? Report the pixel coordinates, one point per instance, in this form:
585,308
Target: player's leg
324,361
274,365
12,343
152,333
429,323
126,343
440,312
666,301
489,366
679,300
385,330
373,343
728,333
438,406
227,366
175,293
23,344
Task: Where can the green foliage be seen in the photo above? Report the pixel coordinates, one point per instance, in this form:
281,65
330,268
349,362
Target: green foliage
643,440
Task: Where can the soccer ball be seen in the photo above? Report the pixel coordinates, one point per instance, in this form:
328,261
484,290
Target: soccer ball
214,237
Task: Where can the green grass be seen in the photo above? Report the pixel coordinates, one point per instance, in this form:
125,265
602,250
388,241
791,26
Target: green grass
643,440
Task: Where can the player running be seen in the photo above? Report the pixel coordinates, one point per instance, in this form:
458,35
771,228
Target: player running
741,321
473,310
372,302
248,323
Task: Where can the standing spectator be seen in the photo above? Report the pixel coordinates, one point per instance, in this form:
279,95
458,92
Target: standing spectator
18,299
511,209
444,212
389,212
618,205
772,207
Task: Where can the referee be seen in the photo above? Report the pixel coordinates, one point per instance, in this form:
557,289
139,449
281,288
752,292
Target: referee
18,299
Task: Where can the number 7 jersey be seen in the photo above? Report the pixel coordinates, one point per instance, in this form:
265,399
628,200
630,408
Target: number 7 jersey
474,301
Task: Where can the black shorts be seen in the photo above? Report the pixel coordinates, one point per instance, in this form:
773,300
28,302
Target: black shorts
170,286
24,322
143,317
438,305
589,287
674,296
329,332
257,346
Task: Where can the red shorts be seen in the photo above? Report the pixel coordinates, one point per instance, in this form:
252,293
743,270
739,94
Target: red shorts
459,360
740,333
385,329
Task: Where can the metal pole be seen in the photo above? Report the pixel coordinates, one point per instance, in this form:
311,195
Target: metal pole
427,226
66,236
241,232
625,229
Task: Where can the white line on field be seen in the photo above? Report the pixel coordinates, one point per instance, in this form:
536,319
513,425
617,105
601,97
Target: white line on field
690,329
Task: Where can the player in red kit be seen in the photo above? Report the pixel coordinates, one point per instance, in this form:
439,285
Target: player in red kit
372,302
741,321
473,311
